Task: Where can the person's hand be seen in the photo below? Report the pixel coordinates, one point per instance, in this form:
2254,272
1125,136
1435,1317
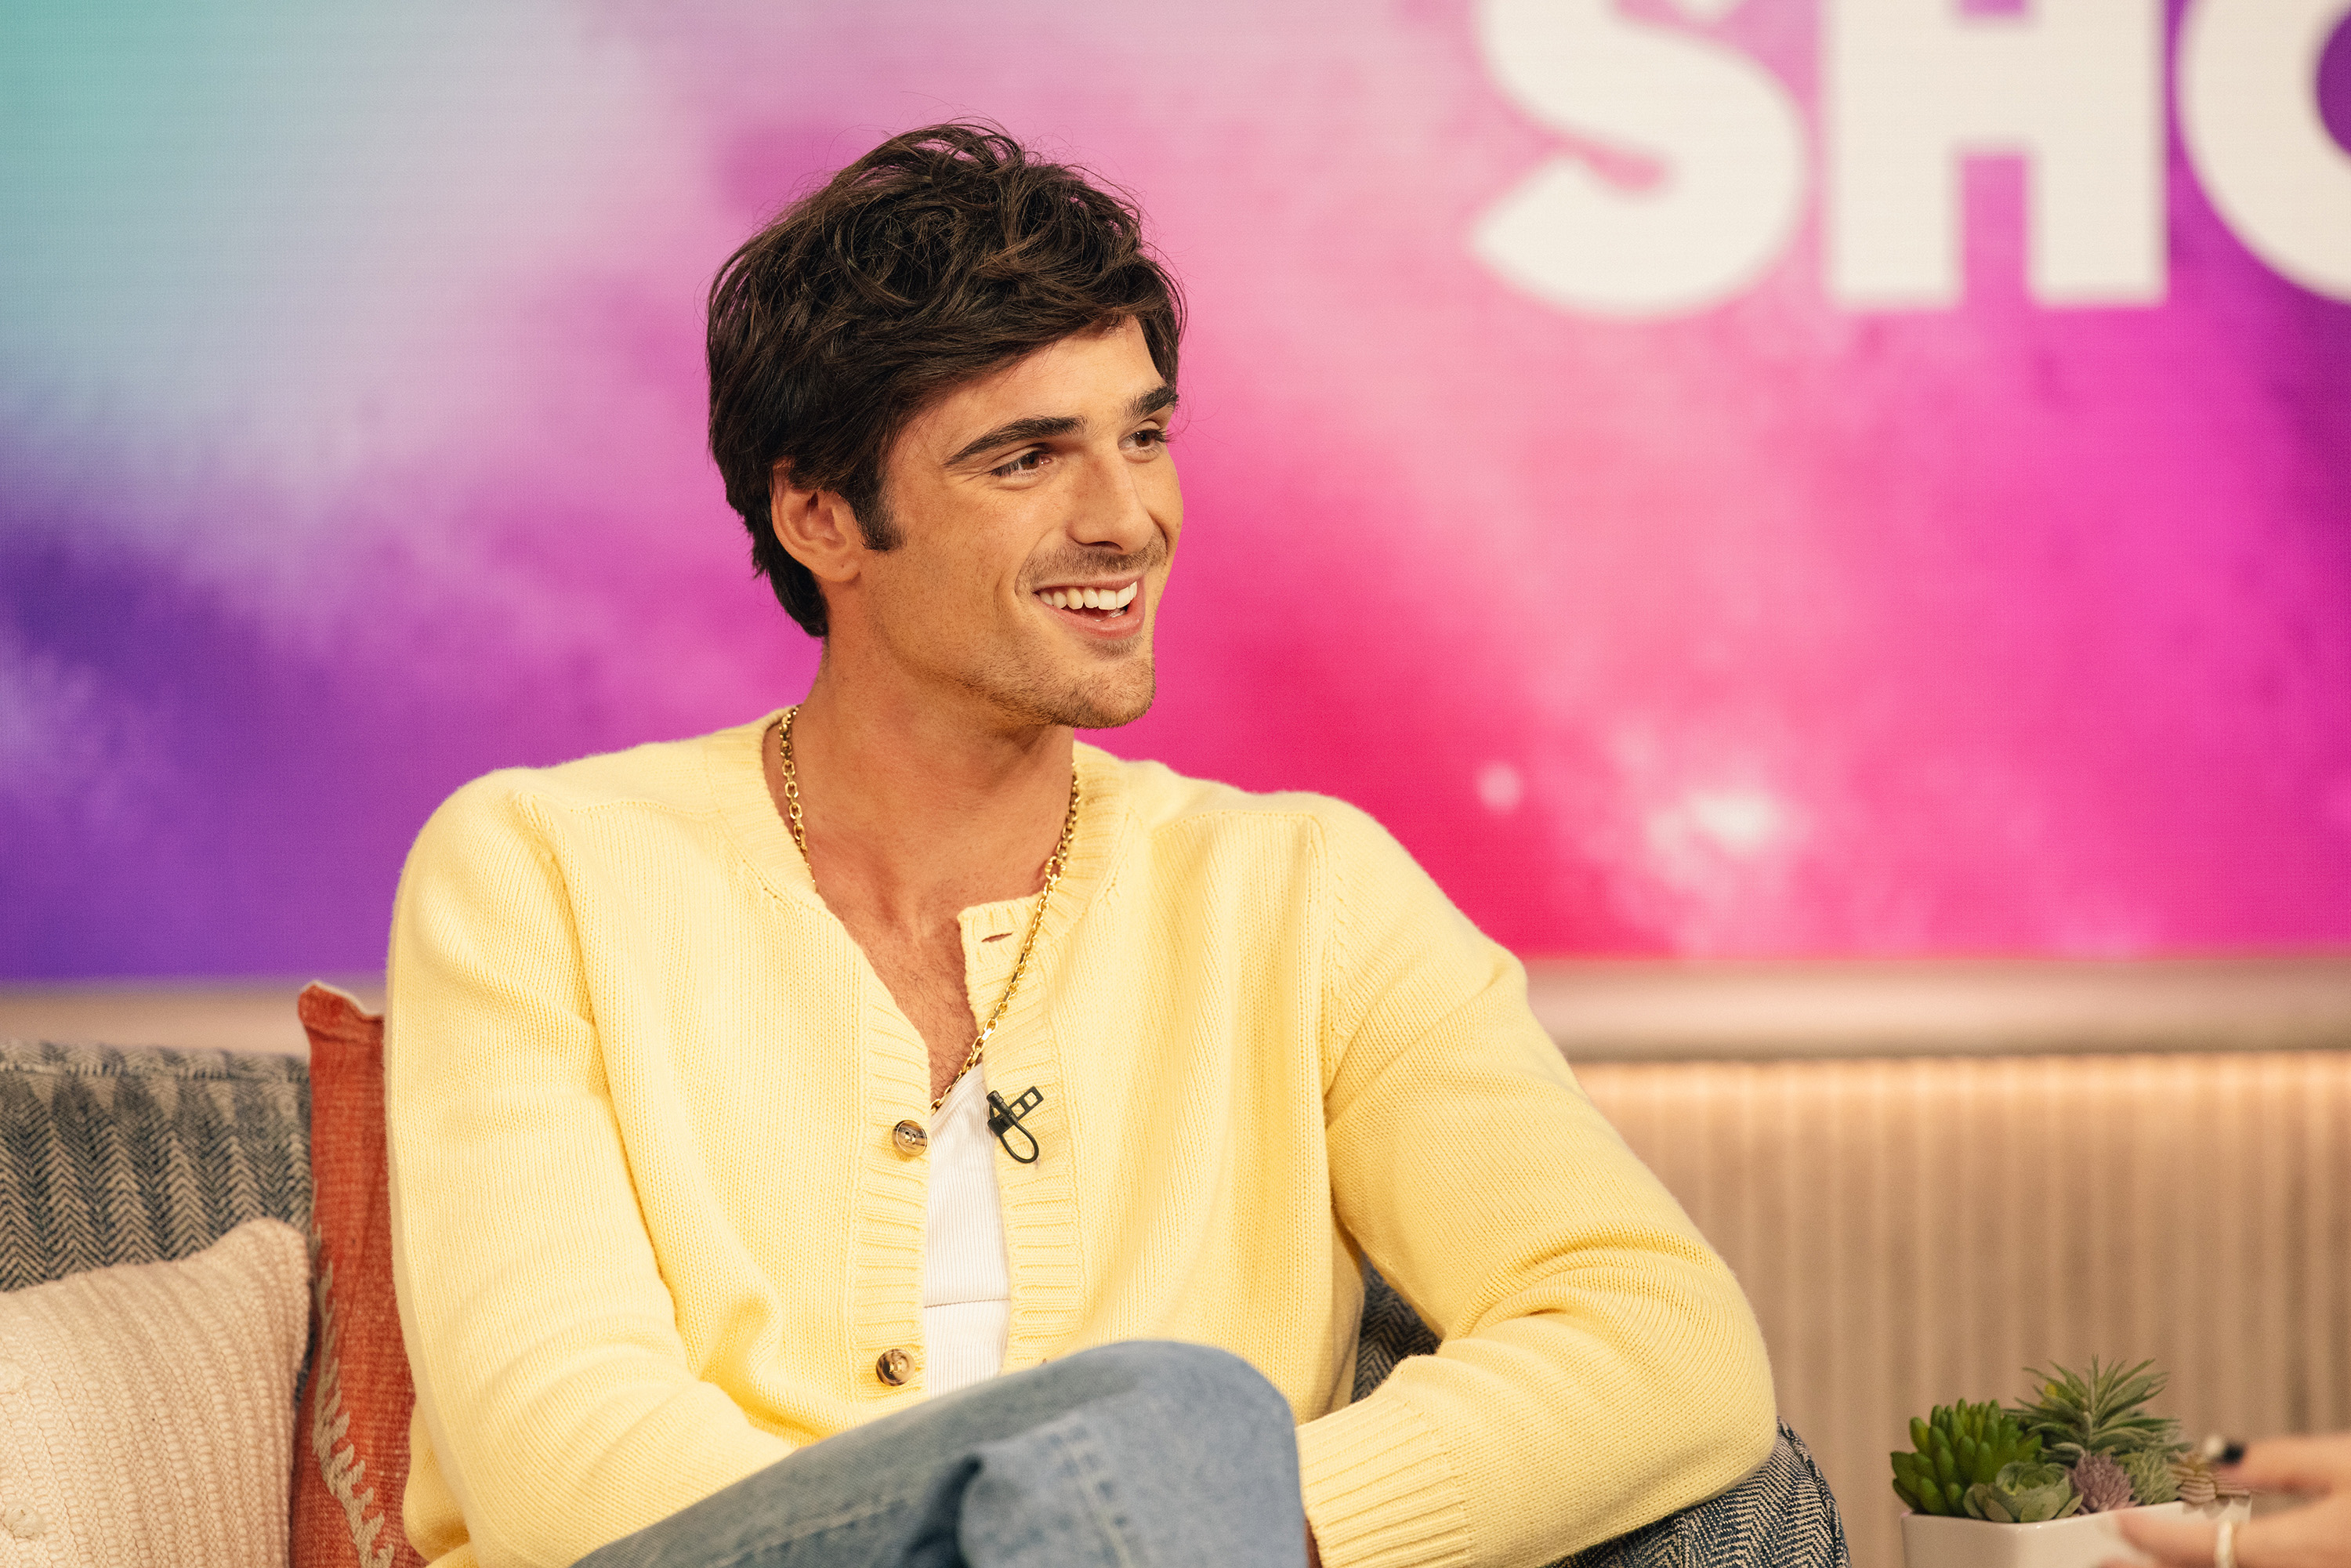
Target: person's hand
2317,1536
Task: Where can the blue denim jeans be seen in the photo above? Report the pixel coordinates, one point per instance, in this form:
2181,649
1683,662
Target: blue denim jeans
1141,1454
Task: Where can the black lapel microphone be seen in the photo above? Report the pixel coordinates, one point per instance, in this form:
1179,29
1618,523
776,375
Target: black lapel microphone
1004,1120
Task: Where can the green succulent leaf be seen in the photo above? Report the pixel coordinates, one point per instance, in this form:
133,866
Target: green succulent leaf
1946,1463
1913,1487
1955,1449
2029,1493
2099,1412
2150,1476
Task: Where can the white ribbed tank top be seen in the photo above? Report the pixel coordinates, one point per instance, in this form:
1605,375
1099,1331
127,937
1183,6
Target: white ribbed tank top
966,1286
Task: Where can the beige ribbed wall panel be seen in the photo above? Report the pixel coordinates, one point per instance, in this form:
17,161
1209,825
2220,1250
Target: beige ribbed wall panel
1912,1231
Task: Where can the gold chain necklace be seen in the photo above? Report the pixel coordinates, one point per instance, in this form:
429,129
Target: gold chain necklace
1036,919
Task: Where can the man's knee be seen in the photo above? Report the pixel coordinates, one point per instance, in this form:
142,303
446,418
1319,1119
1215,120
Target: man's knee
1197,1377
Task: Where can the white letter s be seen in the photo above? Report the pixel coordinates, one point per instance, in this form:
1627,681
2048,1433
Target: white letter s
1726,129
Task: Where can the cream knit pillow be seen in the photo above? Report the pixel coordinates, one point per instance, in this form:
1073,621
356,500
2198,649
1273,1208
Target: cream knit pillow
146,1411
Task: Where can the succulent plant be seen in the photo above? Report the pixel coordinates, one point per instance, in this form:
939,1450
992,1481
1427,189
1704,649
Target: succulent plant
2150,1476
2103,1484
1958,1447
2097,1413
2024,1494
2193,1479
2200,1484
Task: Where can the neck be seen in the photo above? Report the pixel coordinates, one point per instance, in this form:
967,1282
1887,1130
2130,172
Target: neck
915,808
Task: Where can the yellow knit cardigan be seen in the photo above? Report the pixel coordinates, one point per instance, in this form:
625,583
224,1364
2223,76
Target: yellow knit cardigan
652,1232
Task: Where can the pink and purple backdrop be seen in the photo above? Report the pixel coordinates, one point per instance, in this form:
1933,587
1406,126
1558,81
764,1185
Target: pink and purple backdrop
350,419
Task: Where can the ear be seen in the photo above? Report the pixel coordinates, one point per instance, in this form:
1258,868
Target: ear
816,528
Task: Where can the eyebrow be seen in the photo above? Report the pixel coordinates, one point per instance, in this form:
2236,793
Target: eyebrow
1045,427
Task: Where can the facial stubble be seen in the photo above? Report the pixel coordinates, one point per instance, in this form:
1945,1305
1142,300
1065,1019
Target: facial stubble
1118,695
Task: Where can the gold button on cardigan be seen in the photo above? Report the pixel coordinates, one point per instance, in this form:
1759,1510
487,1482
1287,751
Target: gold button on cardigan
650,1233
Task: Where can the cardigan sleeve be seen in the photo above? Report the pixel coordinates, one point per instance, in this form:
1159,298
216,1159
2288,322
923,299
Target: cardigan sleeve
550,1372
1599,1365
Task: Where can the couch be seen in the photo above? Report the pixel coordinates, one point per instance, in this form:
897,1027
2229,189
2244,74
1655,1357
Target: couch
124,1156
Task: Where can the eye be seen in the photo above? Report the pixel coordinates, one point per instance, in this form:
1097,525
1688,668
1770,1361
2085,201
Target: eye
1026,463
1150,437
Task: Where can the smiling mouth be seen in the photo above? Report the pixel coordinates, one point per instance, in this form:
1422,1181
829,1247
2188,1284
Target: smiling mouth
1097,605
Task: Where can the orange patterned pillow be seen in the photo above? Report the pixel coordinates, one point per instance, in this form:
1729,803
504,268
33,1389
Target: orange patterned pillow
352,1450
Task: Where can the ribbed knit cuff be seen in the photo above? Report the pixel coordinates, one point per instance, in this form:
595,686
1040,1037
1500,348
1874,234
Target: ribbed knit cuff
1381,1488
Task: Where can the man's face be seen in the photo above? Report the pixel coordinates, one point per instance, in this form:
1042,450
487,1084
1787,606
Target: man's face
1037,510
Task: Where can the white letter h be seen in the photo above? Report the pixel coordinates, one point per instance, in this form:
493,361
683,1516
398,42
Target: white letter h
2075,86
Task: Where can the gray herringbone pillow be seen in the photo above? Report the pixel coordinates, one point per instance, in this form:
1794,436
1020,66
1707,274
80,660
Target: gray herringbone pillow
112,1155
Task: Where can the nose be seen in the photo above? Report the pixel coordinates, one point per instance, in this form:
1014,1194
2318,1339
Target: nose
1112,509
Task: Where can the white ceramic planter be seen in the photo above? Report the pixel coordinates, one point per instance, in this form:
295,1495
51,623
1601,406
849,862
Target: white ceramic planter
2085,1540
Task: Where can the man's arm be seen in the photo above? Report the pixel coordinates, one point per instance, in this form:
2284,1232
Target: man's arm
549,1368
1599,1365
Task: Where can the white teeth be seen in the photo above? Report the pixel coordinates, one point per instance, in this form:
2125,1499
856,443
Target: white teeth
1107,599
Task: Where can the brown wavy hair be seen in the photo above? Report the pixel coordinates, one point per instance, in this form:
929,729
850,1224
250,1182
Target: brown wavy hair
943,255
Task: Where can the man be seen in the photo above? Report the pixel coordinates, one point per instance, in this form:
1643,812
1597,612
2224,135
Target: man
747,1093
